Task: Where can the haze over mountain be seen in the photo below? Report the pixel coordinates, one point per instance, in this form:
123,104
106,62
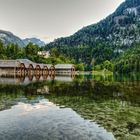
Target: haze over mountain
35,41
7,38
112,35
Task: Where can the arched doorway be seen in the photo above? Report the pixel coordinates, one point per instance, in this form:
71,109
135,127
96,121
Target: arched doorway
30,70
45,70
22,69
37,70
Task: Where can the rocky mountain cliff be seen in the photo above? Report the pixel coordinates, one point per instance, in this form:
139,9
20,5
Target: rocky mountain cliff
8,37
34,41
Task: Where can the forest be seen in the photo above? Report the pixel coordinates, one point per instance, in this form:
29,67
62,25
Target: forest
30,51
85,58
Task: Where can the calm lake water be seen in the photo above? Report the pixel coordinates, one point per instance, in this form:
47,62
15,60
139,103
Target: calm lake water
70,108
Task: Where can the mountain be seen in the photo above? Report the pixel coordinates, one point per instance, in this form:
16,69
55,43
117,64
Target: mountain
34,41
106,39
8,37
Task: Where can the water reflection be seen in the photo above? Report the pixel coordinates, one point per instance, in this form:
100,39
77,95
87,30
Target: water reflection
44,120
25,80
112,101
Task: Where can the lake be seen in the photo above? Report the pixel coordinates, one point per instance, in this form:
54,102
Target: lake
84,107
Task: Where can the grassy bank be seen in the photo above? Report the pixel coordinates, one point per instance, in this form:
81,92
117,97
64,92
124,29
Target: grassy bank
102,72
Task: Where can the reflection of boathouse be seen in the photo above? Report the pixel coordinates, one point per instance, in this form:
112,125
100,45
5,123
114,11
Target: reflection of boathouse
22,67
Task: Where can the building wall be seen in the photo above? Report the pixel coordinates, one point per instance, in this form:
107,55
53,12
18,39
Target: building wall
7,71
44,54
63,72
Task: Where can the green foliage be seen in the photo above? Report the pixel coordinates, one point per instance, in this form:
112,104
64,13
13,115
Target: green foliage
80,67
31,51
129,61
13,51
57,58
2,51
106,65
54,52
98,68
99,52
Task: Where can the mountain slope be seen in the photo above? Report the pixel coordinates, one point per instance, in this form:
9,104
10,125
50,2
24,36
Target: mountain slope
118,31
34,41
8,37
129,61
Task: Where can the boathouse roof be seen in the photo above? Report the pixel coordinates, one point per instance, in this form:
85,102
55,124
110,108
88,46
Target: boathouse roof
64,66
27,62
9,63
41,66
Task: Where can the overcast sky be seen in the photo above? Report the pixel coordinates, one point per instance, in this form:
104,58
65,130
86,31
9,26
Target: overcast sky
50,19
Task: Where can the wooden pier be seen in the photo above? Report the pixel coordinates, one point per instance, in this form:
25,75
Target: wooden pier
25,67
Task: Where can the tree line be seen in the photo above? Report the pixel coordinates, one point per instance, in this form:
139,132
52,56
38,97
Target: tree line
30,51
88,58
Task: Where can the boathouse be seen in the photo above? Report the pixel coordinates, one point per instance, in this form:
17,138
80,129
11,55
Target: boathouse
10,67
22,67
51,69
65,69
29,66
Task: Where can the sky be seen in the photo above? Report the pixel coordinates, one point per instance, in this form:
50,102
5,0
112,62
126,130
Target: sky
51,19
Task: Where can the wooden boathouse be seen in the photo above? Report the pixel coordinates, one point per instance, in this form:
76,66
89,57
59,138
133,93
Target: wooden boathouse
65,69
23,67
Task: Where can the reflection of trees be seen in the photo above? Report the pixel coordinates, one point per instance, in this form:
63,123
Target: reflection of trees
114,105
12,94
99,90
110,101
